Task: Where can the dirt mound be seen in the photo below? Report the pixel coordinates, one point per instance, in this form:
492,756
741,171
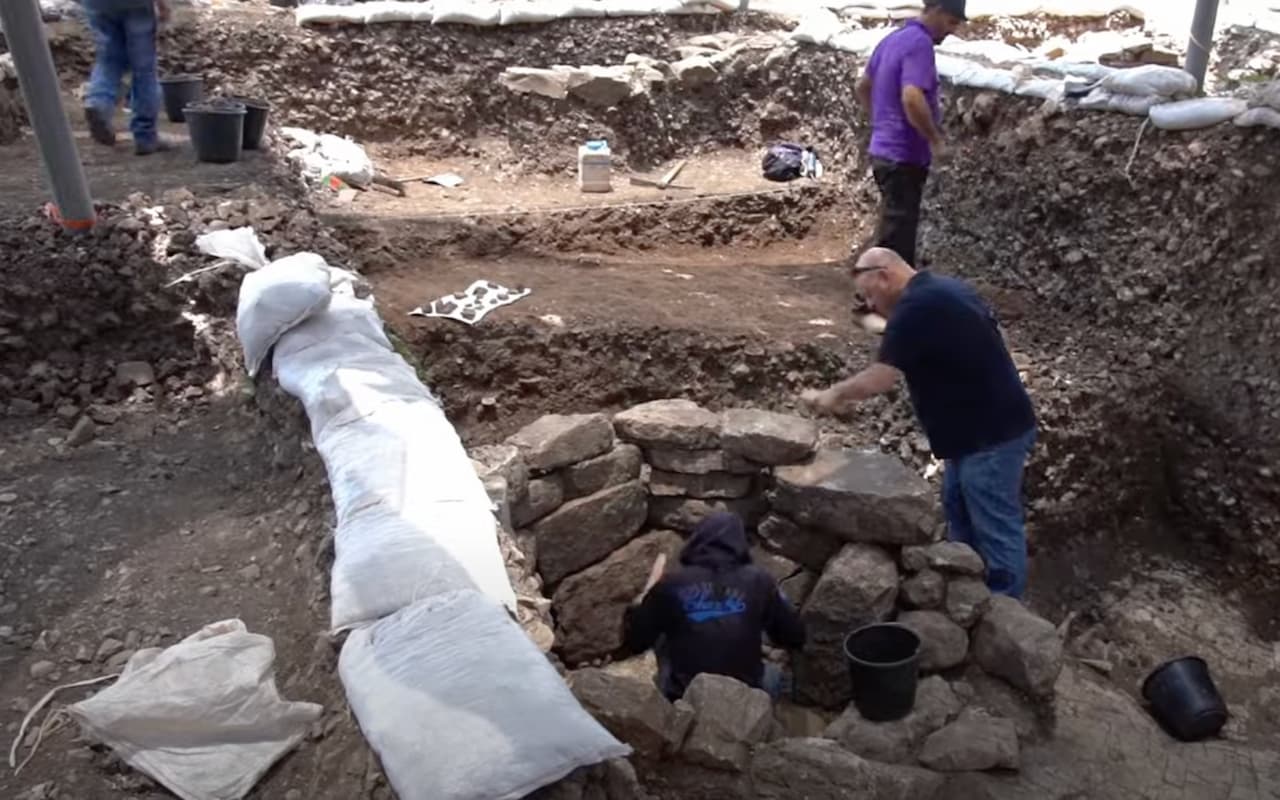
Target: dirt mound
79,313
1157,275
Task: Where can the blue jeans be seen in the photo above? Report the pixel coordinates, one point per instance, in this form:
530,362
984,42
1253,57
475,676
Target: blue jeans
982,498
126,42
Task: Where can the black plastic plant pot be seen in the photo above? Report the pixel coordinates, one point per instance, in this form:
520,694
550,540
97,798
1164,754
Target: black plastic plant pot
255,120
217,130
1184,699
179,91
884,667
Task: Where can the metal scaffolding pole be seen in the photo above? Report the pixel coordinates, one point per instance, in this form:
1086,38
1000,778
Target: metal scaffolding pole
24,32
1201,39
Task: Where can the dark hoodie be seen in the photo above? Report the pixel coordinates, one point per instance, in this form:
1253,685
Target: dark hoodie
712,610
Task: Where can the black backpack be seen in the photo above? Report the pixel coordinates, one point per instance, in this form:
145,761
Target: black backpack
786,161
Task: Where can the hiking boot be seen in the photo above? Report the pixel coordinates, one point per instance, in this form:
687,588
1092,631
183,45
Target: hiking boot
100,126
156,145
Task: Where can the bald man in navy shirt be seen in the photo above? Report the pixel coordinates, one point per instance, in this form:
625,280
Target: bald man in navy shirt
944,340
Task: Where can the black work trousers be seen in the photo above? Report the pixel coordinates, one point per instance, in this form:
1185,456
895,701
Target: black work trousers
901,190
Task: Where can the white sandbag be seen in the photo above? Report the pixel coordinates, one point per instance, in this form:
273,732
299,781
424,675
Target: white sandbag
391,11
1202,112
817,27
1073,69
1267,95
467,12
1101,100
1042,88
992,52
963,72
203,717
240,245
527,12
328,15
859,42
1150,79
1259,117
584,9
459,704
275,298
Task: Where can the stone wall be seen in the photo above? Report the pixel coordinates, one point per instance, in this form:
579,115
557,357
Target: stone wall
589,502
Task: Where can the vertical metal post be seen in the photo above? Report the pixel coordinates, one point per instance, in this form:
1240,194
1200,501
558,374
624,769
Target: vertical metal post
25,34
1201,39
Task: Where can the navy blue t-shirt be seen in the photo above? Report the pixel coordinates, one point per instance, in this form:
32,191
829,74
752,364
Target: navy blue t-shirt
963,384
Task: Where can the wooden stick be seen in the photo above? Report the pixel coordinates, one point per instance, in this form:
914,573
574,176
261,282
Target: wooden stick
671,174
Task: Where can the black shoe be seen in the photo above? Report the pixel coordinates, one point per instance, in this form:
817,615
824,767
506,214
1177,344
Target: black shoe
157,145
100,127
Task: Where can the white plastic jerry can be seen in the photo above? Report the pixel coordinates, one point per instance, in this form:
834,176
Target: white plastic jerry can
595,167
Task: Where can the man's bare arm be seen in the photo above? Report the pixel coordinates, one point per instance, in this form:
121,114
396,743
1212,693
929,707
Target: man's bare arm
863,92
920,115
874,380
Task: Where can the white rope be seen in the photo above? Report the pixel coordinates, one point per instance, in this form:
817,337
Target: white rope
1134,155
50,723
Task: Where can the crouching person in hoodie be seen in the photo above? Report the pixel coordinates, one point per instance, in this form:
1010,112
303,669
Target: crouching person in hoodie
709,614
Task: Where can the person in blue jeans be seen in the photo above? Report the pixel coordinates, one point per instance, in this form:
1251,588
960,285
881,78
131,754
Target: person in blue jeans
967,396
124,36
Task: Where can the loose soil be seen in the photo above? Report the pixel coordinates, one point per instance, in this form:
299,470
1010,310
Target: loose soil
1139,303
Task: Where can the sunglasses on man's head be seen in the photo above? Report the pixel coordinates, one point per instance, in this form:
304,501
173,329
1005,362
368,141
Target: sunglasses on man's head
856,271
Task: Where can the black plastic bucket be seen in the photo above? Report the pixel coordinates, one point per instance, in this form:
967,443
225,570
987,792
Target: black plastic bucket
884,667
1184,699
217,130
255,120
180,91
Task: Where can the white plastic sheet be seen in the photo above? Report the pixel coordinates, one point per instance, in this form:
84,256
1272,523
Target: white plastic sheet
202,717
459,704
276,298
1202,112
322,155
413,518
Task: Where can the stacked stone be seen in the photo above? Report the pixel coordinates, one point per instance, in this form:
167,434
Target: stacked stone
700,462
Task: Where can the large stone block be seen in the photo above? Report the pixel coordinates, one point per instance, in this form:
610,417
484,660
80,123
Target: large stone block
1013,643
684,513
698,462
943,644
973,743
779,567
585,531
820,769
967,600
618,466
809,547
632,710
589,605
711,486
926,589
953,558
542,496
898,742
858,587
860,496
667,424
729,718
558,440
768,438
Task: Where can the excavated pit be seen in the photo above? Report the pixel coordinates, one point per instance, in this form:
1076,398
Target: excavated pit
1139,299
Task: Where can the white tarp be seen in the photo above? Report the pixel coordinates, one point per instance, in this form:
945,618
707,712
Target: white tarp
413,518
203,717
459,704
324,155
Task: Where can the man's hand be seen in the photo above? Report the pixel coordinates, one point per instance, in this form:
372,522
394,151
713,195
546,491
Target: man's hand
655,575
939,148
162,10
822,401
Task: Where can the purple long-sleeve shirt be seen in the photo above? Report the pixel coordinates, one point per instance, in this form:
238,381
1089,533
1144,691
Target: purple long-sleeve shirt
903,58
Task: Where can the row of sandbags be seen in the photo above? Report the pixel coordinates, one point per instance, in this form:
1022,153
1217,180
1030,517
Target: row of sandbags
488,13
1163,94
456,700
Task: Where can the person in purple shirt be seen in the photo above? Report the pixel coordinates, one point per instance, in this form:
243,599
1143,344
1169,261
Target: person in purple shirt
900,88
